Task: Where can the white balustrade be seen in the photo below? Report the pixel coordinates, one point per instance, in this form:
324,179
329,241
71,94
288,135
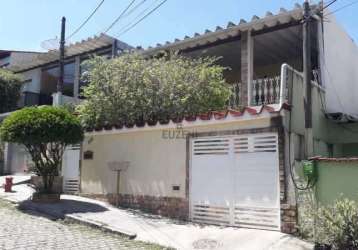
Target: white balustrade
266,91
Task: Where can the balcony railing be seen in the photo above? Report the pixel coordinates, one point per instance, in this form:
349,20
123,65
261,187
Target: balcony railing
263,91
269,90
234,100
266,91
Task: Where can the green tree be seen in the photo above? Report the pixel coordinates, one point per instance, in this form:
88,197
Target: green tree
132,90
10,85
45,132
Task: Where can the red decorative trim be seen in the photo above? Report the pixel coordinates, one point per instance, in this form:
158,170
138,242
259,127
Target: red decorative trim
251,111
268,108
190,118
286,106
235,113
219,115
206,116
177,120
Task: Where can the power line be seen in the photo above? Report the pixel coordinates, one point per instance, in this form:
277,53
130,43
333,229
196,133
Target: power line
134,8
138,15
120,16
144,17
329,4
88,18
343,7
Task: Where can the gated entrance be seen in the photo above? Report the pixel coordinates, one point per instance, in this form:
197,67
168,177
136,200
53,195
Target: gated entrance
70,169
235,181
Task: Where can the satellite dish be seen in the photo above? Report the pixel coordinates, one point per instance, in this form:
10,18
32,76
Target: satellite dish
51,44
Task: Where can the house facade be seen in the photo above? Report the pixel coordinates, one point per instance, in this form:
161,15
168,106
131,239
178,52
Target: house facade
234,167
40,73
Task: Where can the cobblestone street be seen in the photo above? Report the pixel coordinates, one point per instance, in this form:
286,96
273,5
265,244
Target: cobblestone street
19,230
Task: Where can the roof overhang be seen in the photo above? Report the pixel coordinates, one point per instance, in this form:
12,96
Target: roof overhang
256,25
78,48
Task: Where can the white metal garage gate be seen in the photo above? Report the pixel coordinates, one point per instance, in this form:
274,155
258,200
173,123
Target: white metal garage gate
235,181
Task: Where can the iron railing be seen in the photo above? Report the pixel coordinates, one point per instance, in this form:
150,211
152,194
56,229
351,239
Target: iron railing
235,101
266,91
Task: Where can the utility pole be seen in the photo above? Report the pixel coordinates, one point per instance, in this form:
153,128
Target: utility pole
61,63
307,71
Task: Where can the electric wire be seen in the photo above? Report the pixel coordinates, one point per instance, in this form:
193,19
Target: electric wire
289,129
144,17
341,8
309,185
138,16
88,18
329,4
134,8
119,17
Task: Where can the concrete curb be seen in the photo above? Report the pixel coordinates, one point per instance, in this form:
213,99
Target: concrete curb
104,227
53,215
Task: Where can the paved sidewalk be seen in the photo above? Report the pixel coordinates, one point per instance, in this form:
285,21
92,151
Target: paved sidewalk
20,192
160,230
31,231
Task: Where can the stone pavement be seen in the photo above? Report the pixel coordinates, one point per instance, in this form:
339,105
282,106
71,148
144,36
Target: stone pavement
160,230
30,231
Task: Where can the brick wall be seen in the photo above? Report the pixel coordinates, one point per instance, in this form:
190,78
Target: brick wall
288,219
171,207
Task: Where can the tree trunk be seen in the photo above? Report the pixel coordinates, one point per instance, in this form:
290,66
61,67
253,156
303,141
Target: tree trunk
50,183
45,186
47,183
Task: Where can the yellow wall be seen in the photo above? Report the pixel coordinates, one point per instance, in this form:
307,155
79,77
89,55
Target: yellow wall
156,163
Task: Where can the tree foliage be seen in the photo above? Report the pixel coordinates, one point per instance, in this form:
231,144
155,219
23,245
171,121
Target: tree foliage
45,132
132,90
10,86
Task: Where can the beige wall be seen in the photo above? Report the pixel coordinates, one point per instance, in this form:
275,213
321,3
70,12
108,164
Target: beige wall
156,163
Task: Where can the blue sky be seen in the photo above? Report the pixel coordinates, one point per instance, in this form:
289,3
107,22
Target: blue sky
24,24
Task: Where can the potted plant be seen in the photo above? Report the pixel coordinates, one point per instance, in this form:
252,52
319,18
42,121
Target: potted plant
45,132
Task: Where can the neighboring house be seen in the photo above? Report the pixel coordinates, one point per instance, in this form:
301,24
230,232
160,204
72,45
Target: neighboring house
12,58
40,74
234,167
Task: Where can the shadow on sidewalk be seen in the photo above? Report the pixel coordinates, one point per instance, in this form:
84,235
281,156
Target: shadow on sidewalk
60,209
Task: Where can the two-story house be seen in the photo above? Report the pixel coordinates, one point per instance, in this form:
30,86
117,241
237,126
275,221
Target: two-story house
40,72
236,167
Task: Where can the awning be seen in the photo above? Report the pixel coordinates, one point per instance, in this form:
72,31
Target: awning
91,44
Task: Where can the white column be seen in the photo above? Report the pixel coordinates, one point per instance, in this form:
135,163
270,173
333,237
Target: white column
247,67
250,66
57,99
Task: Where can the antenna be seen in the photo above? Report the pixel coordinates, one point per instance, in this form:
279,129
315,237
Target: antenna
50,44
